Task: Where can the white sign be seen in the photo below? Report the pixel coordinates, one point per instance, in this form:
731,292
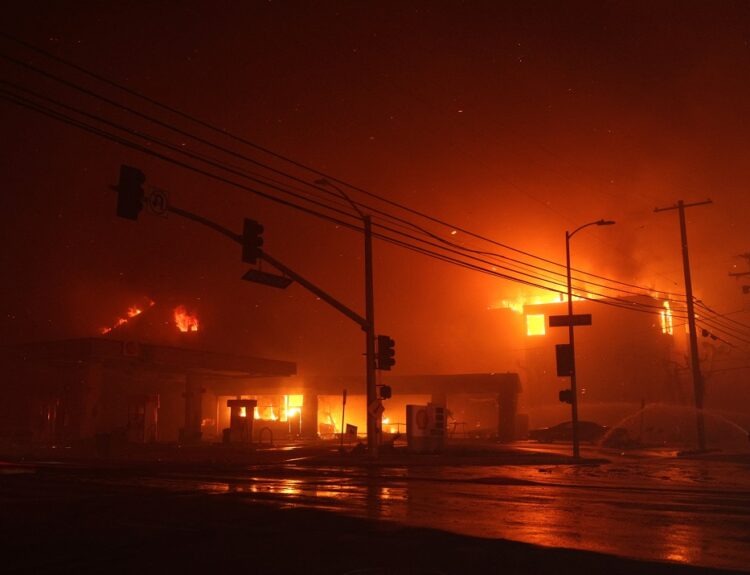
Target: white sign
158,202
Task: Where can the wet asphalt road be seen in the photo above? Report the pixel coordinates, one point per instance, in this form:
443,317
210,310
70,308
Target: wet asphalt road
644,505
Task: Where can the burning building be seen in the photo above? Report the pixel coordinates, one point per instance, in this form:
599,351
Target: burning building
624,358
148,377
477,404
63,392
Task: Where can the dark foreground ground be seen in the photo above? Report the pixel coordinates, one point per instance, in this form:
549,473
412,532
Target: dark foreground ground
53,522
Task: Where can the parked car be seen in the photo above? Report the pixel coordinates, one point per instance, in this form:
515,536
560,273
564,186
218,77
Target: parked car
588,431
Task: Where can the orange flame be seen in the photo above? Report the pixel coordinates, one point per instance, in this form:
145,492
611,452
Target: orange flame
265,413
132,312
184,321
535,324
516,305
666,319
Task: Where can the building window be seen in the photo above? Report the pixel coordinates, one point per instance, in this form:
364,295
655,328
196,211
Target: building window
535,324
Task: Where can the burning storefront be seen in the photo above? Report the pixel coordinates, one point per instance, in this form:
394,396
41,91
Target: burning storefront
477,404
63,392
70,391
632,353
148,377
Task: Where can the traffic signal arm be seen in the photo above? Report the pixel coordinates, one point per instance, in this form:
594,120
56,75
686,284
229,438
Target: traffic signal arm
329,299
239,238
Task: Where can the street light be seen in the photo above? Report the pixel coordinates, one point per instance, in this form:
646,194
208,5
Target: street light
571,340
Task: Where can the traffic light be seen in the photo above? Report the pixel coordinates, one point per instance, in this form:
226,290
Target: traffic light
386,392
129,192
566,395
252,241
386,353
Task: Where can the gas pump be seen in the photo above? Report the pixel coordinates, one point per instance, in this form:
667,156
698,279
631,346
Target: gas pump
240,421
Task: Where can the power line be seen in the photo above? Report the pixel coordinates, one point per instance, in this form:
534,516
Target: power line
19,100
131,110
723,315
236,172
276,155
706,324
127,143
491,254
211,161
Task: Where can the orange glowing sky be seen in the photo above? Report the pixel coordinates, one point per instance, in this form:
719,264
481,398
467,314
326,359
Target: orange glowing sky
514,120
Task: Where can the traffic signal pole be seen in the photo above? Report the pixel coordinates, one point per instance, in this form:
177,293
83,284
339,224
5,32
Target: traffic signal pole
367,324
374,410
373,421
130,191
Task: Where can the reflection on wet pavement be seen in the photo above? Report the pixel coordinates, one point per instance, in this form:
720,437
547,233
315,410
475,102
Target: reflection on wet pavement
688,511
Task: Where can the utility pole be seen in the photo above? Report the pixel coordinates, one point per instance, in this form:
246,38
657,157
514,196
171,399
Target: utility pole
698,387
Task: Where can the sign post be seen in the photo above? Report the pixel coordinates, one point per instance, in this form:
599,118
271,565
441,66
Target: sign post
566,363
343,413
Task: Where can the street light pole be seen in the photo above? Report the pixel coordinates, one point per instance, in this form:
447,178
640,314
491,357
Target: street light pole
571,342
571,335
